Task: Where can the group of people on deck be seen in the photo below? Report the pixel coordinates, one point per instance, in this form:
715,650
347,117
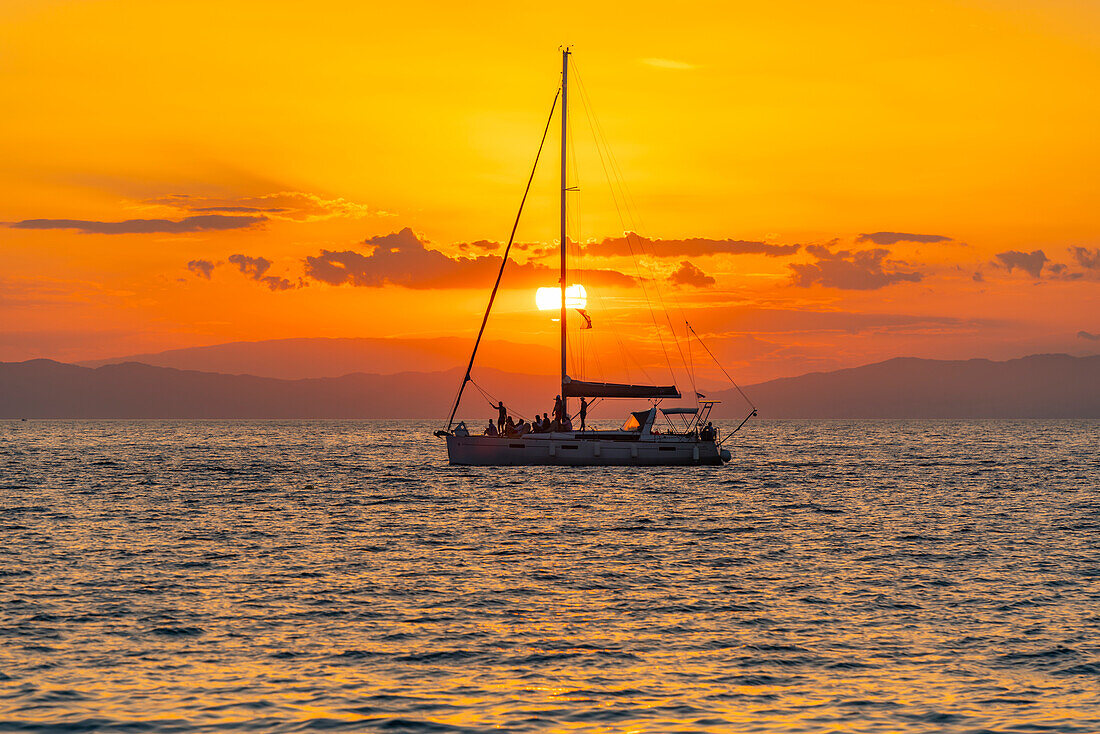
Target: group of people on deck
506,426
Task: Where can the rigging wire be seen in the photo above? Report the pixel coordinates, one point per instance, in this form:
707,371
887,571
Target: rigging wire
727,374
598,138
634,215
585,338
575,251
627,355
503,262
573,217
691,366
493,400
739,427
573,245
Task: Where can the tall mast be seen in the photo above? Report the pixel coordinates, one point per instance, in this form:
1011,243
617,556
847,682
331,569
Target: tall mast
564,188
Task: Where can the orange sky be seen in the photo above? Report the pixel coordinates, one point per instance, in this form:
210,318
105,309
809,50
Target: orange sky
292,130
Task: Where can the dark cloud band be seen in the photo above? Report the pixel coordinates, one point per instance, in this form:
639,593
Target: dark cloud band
1030,262
864,270
632,244
892,238
203,223
401,258
688,274
256,269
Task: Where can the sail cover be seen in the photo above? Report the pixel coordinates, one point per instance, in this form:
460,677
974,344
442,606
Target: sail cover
638,421
582,389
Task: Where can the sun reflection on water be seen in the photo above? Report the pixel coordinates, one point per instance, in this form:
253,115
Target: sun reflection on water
279,576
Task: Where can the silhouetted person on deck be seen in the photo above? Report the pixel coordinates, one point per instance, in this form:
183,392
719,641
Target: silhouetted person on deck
502,416
707,434
584,412
509,426
559,409
491,429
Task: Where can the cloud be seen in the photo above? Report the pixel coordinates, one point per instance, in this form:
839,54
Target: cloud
292,205
484,245
1086,258
535,250
892,238
688,274
201,268
203,223
253,267
278,284
1088,335
1030,262
633,244
256,267
977,277
668,64
864,270
401,258
239,209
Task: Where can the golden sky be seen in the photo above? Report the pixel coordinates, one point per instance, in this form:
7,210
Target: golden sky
846,182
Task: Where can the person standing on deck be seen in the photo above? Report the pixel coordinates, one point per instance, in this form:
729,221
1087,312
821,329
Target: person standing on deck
502,416
559,409
584,411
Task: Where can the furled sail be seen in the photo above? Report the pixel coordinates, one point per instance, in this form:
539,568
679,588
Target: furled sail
582,389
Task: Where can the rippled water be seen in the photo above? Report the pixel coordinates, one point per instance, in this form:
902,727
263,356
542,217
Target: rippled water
288,576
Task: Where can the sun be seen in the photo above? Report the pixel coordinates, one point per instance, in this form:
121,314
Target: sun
549,299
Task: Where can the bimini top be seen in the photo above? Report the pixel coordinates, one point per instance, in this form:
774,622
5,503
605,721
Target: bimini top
679,411
582,389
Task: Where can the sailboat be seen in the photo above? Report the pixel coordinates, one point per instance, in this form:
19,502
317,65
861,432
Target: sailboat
689,438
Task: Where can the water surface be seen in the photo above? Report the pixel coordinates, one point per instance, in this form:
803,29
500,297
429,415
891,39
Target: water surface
313,575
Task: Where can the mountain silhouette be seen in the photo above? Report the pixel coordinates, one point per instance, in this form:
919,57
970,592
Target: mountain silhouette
1039,386
299,358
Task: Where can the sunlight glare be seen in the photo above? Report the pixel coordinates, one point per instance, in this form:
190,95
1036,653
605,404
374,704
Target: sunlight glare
549,299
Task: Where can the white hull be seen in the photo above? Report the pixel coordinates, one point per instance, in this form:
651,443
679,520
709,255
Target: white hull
564,449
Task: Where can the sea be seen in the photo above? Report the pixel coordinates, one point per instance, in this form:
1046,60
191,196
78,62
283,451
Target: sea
288,576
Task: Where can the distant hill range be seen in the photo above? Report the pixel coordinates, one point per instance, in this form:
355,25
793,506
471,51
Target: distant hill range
1040,386
293,359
